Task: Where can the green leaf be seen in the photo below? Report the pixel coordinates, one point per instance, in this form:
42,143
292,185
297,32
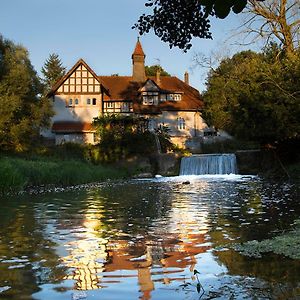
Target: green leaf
239,5
222,9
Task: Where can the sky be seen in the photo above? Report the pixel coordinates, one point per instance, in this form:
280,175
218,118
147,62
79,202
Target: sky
100,32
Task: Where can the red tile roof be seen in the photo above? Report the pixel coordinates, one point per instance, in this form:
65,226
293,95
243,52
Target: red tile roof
72,127
123,88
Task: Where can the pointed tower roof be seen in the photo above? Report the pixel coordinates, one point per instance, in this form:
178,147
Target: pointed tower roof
138,49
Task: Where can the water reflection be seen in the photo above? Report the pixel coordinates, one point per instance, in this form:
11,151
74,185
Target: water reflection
94,258
87,252
142,239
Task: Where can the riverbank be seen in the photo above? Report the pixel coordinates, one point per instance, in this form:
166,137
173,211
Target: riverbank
20,173
286,244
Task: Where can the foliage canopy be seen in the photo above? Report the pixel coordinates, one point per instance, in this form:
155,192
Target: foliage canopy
121,136
178,21
152,70
22,111
255,96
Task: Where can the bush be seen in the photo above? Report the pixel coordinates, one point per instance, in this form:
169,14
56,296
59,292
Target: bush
228,146
10,178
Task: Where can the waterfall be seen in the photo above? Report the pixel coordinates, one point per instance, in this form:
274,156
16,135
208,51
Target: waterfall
208,164
158,145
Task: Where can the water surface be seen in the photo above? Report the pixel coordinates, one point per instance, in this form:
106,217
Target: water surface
143,239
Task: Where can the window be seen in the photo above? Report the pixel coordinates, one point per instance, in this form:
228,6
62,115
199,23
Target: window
150,98
109,104
88,101
180,123
76,101
174,97
177,97
94,101
125,107
169,97
70,102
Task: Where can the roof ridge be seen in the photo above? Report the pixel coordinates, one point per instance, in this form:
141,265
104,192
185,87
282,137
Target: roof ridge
115,76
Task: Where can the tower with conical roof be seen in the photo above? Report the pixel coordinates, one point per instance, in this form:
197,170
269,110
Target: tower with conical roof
138,63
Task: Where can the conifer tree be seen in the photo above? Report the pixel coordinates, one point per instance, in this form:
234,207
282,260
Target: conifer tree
52,70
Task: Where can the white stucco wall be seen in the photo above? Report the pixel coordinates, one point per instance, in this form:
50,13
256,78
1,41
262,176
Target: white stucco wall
194,125
82,112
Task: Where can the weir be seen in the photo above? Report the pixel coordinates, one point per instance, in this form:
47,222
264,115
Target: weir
208,164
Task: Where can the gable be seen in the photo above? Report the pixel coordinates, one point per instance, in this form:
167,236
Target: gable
81,80
150,86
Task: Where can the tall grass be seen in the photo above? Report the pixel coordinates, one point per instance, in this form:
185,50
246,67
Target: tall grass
19,173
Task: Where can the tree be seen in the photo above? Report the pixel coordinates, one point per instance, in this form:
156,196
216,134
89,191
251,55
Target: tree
122,136
52,70
274,21
22,111
152,70
256,97
178,21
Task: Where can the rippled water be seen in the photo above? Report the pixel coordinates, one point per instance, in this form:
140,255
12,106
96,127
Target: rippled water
143,239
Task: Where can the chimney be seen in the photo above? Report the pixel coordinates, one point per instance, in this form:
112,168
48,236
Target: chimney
158,76
138,63
186,78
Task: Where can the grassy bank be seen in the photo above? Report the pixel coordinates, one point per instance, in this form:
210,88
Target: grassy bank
19,173
286,244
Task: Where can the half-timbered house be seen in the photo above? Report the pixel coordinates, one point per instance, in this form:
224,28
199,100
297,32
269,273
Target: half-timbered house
81,95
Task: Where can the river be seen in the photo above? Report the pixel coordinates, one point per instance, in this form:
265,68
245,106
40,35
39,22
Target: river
144,239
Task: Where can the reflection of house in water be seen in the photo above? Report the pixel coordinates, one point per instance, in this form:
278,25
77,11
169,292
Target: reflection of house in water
87,255
157,257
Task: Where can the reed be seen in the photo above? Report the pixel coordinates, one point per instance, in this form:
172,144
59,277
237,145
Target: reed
19,173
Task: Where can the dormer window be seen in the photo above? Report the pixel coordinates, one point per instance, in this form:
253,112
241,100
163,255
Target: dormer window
174,97
150,98
177,97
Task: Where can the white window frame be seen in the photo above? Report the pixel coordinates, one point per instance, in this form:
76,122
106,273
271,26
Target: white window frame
177,97
109,104
181,123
